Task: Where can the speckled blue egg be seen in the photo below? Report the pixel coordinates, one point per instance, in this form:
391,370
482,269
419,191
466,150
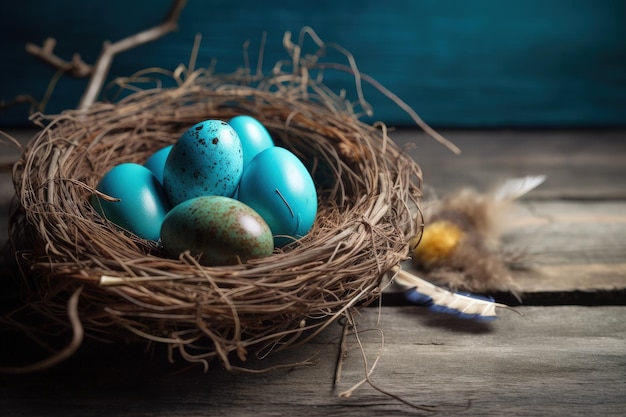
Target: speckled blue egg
156,162
253,135
277,185
206,160
218,230
142,204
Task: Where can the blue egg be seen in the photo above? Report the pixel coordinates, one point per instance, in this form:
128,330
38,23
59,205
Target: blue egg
156,162
253,135
277,185
142,204
206,160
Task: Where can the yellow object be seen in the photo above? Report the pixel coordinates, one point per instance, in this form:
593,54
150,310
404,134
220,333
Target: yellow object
439,239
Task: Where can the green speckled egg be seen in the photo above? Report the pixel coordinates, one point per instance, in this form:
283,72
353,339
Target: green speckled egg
219,230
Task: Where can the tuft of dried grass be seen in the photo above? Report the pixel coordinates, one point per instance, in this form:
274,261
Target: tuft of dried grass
83,272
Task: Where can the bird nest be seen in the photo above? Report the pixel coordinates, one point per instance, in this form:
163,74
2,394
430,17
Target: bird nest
86,273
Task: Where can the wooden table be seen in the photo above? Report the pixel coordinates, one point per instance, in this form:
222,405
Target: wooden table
565,355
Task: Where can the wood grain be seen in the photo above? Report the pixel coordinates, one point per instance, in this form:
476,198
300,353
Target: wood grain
580,164
571,231
550,361
559,360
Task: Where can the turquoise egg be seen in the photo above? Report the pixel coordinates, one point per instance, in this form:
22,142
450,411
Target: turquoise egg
156,162
142,204
253,135
218,230
277,185
206,160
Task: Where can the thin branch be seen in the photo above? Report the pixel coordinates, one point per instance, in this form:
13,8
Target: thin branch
109,50
76,67
17,100
399,102
343,352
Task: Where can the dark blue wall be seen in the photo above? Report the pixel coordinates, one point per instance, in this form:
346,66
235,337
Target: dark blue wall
458,63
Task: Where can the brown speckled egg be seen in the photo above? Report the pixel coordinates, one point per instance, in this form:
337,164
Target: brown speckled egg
218,230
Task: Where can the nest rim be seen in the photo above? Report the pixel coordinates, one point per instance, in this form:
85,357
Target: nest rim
118,286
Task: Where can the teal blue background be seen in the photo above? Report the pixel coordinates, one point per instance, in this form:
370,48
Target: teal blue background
480,63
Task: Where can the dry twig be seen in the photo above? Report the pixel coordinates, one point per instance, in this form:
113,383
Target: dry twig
76,67
109,50
99,72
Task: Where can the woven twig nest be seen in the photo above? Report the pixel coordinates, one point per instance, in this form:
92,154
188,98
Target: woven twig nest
117,286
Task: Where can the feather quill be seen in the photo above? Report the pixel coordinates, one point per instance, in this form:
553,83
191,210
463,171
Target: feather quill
514,188
440,300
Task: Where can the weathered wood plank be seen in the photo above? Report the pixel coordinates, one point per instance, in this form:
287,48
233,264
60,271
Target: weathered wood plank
579,245
557,360
571,230
579,164
550,361
566,245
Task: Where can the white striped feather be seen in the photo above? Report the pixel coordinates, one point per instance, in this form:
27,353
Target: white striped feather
442,297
